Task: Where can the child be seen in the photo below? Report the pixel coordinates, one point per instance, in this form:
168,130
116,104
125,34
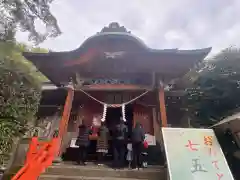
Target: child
144,154
129,154
95,127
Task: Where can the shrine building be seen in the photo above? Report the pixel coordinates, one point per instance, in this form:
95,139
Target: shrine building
112,75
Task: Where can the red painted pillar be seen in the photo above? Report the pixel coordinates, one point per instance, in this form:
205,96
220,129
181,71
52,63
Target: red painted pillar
163,111
66,114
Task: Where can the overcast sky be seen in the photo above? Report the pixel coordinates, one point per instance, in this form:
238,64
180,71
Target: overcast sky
183,24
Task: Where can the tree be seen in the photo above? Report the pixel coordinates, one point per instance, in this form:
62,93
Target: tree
215,94
19,94
23,14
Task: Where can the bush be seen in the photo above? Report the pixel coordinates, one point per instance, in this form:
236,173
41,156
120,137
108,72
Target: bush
19,96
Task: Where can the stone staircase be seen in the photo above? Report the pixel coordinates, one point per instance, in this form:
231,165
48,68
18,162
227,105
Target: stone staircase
93,172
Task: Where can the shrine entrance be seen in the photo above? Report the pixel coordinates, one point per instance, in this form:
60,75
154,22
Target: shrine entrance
113,117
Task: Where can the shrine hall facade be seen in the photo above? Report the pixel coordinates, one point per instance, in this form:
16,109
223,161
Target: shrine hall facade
112,75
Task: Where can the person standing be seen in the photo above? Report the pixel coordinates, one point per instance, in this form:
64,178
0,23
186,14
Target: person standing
102,142
129,154
83,143
119,144
138,136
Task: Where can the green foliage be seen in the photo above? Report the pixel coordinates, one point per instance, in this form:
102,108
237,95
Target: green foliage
23,14
215,94
19,95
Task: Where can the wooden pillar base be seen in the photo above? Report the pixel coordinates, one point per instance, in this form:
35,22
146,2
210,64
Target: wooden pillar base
57,160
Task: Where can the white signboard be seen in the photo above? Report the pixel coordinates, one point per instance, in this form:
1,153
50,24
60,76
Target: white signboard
151,140
73,143
194,154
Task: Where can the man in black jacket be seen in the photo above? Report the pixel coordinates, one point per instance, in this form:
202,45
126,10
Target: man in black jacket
119,144
138,136
83,143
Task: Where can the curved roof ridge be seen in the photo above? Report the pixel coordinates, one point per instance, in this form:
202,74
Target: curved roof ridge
176,51
117,34
179,51
199,50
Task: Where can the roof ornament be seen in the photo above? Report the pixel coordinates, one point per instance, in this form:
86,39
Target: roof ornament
114,55
70,85
166,87
79,81
114,27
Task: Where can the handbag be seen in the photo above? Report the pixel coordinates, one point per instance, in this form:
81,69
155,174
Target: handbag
145,144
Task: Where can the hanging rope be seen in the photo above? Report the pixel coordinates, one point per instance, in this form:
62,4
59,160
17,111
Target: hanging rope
101,102
113,105
105,105
134,99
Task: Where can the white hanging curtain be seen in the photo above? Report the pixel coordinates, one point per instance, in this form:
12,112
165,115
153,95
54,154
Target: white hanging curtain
123,113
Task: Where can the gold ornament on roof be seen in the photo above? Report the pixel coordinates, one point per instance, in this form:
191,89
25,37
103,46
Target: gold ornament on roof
114,27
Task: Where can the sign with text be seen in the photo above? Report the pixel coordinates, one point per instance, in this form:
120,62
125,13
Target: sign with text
73,143
151,140
194,154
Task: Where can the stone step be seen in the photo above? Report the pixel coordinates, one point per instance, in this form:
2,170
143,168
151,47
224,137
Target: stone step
61,177
96,172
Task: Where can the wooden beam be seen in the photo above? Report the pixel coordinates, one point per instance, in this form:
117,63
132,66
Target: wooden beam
163,111
134,115
115,87
66,114
156,129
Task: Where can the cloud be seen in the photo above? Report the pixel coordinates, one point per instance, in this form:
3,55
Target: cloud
185,24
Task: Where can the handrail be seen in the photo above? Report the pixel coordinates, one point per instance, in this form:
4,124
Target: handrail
38,160
37,163
28,164
32,149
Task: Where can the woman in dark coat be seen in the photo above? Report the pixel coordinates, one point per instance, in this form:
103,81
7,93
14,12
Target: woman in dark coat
102,142
83,143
